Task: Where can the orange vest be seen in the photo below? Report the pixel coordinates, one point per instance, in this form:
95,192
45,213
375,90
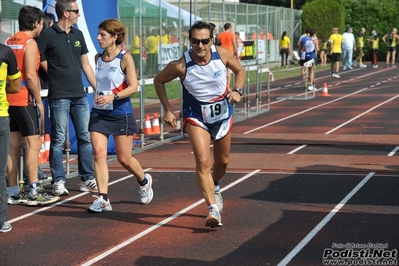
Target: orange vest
18,44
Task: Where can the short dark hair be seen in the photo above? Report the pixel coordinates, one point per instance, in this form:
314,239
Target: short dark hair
63,5
47,18
199,25
227,26
28,15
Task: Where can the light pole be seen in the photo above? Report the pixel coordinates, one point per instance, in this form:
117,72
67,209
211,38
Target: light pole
292,4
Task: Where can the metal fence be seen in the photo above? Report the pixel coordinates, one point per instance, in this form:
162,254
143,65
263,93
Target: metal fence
168,22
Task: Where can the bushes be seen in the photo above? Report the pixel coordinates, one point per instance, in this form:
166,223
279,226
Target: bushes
381,15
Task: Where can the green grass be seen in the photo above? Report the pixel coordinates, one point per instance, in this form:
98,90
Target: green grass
173,87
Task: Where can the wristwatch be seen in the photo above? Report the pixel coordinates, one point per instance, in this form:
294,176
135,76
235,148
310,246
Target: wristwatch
116,97
239,90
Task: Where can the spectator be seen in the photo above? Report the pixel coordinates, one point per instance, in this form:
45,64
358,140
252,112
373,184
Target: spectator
112,110
227,40
206,64
185,41
165,36
214,30
323,44
151,45
348,46
173,35
284,43
360,45
47,22
335,41
25,109
8,70
374,40
64,64
392,41
239,44
136,50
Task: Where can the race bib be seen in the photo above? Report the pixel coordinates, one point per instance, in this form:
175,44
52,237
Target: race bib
108,106
214,112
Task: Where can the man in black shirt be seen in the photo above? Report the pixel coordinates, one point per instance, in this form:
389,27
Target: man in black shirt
63,53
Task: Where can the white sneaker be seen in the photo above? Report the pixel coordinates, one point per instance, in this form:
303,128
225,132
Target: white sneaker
311,87
89,185
213,219
336,75
219,200
59,189
100,205
362,66
145,191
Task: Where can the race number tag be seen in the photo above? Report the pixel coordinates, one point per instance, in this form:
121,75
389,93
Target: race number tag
108,106
214,112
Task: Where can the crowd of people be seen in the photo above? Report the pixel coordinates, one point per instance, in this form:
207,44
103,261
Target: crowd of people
339,47
60,52
57,54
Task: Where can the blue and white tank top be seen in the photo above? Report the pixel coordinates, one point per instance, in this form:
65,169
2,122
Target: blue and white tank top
205,89
111,79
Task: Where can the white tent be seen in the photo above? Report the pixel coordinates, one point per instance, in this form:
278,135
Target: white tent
173,12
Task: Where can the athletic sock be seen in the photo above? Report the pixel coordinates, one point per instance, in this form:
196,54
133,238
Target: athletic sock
14,191
105,196
144,182
33,188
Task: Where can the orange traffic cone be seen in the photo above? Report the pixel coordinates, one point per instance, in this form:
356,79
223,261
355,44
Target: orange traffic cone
325,90
42,153
147,125
47,146
155,124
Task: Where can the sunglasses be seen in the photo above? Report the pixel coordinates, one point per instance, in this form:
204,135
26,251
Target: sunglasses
76,11
203,41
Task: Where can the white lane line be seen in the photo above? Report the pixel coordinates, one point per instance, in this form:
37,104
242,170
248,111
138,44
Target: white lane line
297,149
305,111
392,153
158,225
309,237
360,115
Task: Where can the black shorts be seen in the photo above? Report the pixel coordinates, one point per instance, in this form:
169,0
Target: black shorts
391,49
113,125
335,57
24,119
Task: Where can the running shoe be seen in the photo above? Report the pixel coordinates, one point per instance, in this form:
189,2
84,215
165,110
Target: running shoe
6,227
89,185
17,199
336,75
59,189
145,191
362,66
100,205
344,68
213,219
219,200
311,87
375,66
41,198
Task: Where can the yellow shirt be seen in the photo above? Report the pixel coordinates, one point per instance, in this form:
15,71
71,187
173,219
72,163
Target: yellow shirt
285,43
8,69
336,40
151,44
135,49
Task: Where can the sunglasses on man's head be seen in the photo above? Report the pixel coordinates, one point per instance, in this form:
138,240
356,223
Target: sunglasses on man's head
76,11
203,41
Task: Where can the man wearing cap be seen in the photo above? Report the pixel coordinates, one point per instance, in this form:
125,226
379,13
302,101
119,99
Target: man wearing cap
348,46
